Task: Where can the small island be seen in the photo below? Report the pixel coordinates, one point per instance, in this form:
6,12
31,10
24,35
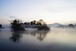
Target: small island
18,25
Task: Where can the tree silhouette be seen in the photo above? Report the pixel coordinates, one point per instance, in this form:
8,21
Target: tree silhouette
39,23
33,22
16,25
71,25
43,25
0,26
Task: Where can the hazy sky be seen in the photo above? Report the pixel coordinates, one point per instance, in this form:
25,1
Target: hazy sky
51,11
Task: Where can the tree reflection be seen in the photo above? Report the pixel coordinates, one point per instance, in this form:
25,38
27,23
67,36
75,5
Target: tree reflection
40,35
16,36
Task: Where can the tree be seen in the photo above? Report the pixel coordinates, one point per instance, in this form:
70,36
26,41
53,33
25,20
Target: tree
39,23
0,25
33,22
26,23
42,22
16,25
43,25
71,25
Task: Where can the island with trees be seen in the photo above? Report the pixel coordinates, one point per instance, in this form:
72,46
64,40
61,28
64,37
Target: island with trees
18,25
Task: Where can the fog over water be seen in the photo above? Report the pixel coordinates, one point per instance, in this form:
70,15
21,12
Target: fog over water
55,39
59,15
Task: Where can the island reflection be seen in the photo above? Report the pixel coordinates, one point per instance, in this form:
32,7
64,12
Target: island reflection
17,35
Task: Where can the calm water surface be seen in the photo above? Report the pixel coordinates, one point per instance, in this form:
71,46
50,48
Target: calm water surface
57,39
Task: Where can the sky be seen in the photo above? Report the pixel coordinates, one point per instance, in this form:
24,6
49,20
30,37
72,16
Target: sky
51,11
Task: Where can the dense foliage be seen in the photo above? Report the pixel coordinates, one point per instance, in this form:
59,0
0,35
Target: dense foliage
16,25
0,25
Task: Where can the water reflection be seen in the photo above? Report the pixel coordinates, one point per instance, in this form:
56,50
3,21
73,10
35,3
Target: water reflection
40,35
17,35
32,40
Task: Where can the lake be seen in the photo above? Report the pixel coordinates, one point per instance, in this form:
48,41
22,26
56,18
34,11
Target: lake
57,39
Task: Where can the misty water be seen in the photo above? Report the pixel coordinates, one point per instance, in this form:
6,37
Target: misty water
57,39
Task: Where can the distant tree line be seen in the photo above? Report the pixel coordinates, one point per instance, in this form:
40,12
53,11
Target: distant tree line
34,22
41,23
18,25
